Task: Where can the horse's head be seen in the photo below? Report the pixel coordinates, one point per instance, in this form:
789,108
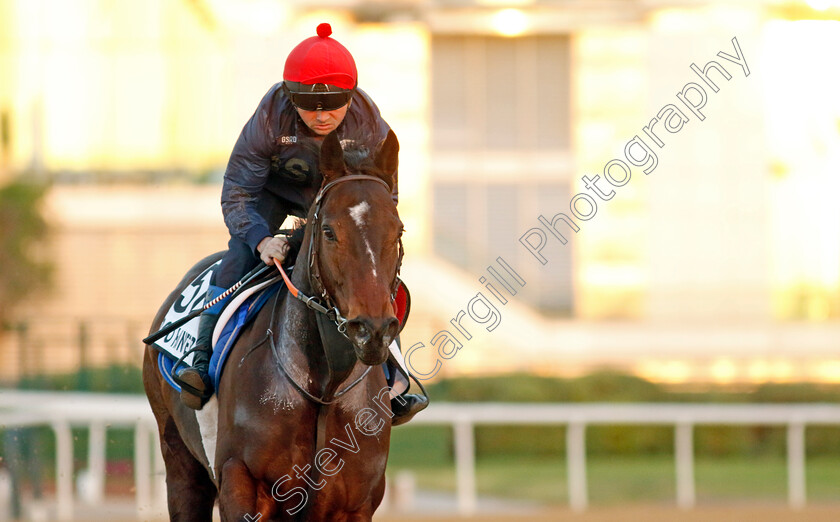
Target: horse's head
355,242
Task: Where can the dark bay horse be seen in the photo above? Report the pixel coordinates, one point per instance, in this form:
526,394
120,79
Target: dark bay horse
299,430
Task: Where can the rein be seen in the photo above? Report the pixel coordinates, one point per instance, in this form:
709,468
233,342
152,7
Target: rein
312,302
279,360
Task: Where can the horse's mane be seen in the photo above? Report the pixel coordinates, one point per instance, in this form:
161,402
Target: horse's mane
295,242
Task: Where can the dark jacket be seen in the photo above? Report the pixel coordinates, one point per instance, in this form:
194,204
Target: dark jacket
273,169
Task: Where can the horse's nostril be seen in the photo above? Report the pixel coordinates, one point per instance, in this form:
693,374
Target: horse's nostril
360,332
368,332
389,331
363,335
393,328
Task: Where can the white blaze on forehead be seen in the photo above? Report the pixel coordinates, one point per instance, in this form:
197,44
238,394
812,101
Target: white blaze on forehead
372,260
357,212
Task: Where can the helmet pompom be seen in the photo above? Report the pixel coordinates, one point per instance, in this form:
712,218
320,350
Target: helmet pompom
324,30
320,59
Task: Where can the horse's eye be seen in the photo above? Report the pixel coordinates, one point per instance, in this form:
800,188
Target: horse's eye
329,235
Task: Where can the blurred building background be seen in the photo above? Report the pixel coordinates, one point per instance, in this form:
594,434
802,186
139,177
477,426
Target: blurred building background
721,265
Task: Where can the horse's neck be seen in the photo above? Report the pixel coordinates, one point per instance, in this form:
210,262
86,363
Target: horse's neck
298,338
301,342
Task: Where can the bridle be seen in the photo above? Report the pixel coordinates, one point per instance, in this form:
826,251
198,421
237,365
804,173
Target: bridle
327,307
325,304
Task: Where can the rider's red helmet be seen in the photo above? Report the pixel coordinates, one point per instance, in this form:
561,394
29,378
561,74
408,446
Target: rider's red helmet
320,65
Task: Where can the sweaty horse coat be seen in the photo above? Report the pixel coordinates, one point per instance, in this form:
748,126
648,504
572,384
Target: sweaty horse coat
265,445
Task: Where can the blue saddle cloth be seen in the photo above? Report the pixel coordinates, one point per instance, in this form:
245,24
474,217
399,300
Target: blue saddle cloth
224,345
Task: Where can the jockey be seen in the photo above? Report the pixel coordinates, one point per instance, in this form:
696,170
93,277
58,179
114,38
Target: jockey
272,173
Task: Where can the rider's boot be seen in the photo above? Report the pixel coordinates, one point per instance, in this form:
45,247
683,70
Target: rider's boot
196,386
406,405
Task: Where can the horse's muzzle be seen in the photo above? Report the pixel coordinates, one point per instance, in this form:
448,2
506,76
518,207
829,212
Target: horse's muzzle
371,337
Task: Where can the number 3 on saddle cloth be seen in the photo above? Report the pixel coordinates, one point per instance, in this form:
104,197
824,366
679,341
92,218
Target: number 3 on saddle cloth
237,313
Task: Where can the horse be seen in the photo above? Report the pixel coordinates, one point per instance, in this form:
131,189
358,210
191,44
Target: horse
302,427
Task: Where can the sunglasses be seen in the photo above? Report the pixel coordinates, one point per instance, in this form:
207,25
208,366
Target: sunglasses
319,101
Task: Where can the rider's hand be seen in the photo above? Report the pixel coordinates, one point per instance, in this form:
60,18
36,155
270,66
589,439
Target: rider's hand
272,248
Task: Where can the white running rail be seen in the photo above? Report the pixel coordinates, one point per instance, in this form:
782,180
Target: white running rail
62,411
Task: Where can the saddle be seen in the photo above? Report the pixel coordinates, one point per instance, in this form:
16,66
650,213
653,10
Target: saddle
234,317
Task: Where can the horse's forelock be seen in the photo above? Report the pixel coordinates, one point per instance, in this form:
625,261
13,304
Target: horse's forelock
358,156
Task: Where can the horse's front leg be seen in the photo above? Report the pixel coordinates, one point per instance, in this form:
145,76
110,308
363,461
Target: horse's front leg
238,494
366,513
365,506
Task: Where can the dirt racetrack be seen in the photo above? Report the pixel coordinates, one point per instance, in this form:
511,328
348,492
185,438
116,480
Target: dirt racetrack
637,513
738,513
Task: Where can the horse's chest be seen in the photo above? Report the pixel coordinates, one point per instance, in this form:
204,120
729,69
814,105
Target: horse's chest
274,403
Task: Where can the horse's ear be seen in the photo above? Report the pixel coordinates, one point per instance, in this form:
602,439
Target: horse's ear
387,157
332,158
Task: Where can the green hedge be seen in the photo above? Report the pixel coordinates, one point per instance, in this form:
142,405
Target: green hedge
717,441
112,379
423,444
